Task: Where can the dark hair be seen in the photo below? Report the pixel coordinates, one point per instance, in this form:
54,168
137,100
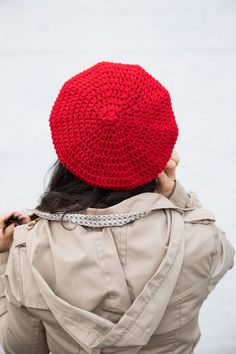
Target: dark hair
67,193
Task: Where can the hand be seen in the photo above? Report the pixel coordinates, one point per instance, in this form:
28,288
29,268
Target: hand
166,180
6,233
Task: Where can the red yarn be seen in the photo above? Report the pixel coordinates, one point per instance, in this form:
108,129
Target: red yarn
113,126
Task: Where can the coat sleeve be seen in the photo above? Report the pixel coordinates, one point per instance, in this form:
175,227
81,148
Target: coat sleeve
222,257
20,331
183,199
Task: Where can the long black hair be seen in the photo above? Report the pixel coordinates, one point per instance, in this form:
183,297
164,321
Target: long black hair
67,193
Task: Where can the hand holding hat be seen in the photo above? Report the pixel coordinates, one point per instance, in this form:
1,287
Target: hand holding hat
166,180
8,222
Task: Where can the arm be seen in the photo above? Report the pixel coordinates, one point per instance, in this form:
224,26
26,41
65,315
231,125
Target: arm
3,303
183,199
167,185
20,331
222,257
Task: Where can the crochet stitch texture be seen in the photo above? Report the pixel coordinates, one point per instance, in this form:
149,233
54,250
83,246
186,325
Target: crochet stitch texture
113,126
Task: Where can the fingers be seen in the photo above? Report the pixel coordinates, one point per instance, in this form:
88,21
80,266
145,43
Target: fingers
175,157
21,216
171,165
166,180
170,169
4,217
8,221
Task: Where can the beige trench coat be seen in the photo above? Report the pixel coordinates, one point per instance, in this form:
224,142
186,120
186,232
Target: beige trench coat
136,288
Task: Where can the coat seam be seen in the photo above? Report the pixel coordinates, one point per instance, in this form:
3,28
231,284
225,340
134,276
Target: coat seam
214,254
20,277
107,278
125,246
189,291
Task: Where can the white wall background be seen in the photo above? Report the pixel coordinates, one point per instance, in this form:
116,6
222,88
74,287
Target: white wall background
188,45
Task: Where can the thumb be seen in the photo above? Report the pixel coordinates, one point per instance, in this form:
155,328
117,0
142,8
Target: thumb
171,168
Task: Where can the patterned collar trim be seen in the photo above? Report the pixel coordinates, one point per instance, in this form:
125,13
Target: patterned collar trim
93,220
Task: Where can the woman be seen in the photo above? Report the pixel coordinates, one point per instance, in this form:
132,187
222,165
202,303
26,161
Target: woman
118,257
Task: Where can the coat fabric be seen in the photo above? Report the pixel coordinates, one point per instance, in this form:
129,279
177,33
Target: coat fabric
136,288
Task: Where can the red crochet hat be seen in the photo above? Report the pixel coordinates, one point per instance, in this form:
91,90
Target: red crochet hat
113,126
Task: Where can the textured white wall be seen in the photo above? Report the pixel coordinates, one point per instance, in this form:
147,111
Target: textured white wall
188,45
